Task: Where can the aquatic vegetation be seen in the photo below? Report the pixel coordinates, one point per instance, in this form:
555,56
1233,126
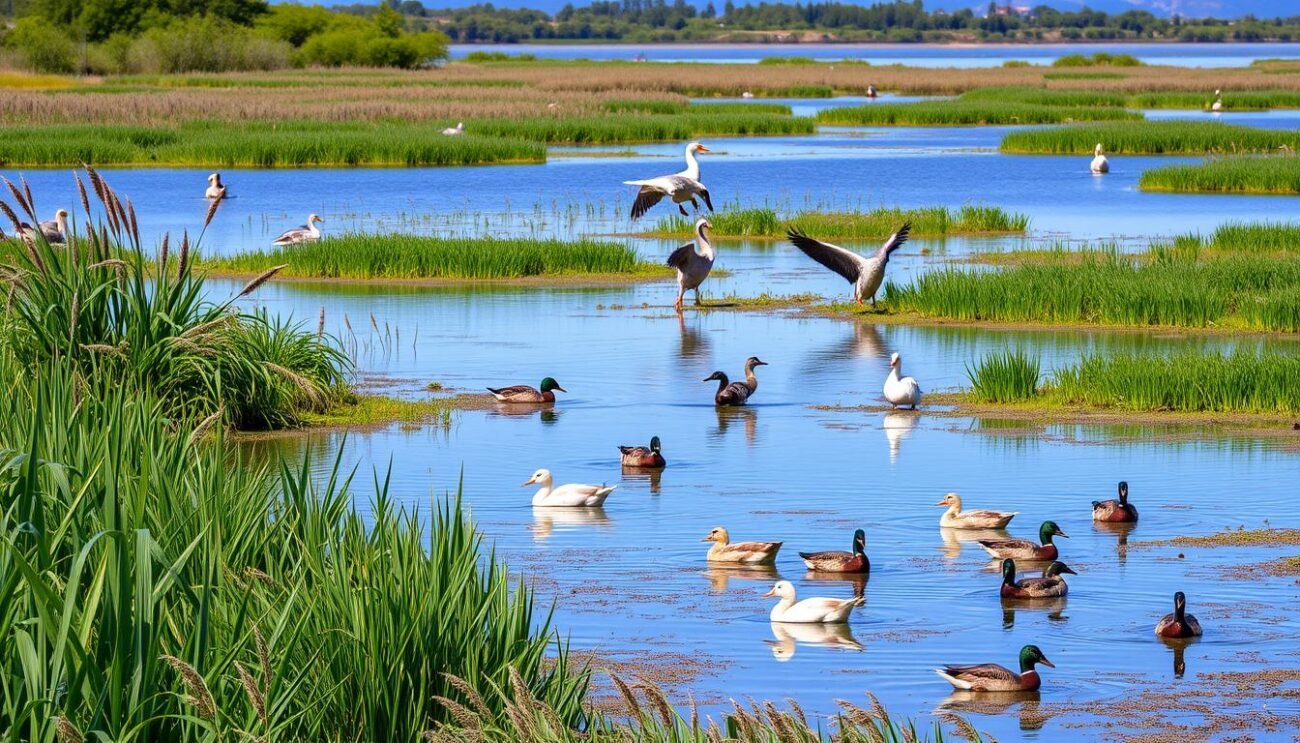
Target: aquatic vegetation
1236,100
1150,138
364,256
685,125
1047,96
1097,59
1244,237
1005,376
968,113
1271,175
876,224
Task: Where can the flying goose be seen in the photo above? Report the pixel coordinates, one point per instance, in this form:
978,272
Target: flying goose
866,274
300,234
216,189
693,262
682,187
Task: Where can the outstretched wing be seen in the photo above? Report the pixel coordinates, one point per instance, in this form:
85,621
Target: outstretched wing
645,198
843,262
897,239
681,257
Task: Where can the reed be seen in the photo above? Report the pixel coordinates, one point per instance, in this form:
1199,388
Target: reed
404,257
1257,174
1245,237
1150,138
1004,376
732,221
968,113
642,128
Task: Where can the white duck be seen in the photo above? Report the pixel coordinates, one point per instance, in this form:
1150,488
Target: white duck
1099,162
454,131
955,518
681,187
300,234
901,391
818,610
566,496
866,274
693,262
216,189
1217,106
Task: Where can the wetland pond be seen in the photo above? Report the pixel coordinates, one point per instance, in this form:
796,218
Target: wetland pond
805,463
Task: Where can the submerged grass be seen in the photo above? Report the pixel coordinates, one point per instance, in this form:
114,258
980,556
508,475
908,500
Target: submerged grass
873,224
1262,175
1150,138
968,113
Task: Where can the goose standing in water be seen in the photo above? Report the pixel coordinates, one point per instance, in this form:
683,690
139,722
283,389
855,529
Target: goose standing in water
693,262
865,273
301,233
681,187
809,611
216,189
454,131
736,393
1099,162
901,390
1217,106
566,496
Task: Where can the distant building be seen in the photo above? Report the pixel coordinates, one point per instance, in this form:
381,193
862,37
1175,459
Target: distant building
1023,11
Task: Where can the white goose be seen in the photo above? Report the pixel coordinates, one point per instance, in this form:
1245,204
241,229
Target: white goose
566,496
818,610
54,231
865,273
454,131
1217,106
1099,162
681,187
693,262
901,391
300,234
216,189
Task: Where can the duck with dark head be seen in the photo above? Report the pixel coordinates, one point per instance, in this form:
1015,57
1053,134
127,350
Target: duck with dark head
736,393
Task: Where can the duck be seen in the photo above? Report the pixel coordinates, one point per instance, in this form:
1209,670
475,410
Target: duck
1115,511
301,233
1024,549
1051,585
1179,624
865,273
54,231
681,187
834,561
693,262
993,677
955,518
747,95
216,189
740,553
872,92
644,457
566,496
736,393
1099,162
1217,105
523,394
818,610
454,131
900,391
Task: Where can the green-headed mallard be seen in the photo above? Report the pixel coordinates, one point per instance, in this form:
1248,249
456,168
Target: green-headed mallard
1024,549
643,457
1115,511
834,561
522,393
1179,624
1051,585
740,553
955,518
993,677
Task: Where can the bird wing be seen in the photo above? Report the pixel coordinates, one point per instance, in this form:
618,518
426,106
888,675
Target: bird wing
647,197
738,391
681,257
982,672
752,546
896,240
1006,544
843,262
294,234
514,389
634,451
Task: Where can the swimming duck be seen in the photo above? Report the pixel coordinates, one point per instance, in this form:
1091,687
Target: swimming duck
640,456
872,92
1024,549
300,234
1051,585
1179,624
901,391
1099,162
742,553
866,273
681,187
1115,511
693,262
834,561
736,393
216,189
809,611
522,393
955,518
566,496
993,677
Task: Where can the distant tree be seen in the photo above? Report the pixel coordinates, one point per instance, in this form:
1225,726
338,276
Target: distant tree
709,11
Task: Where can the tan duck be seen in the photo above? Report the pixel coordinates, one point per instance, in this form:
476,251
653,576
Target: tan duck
740,553
993,677
1115,511
522,393
1179,624
834,561
643,457
1050,586
1024,549
955,518
736,393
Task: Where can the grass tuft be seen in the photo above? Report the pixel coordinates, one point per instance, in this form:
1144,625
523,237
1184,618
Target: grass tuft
1150,138
1263,175
876,224
968,113
1006,376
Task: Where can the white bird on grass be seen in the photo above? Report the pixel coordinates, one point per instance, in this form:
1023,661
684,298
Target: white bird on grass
865,273
301,233
680,187
454,131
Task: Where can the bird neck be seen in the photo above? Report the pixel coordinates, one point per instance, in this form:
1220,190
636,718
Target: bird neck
702,244
722,381
692,166
750,379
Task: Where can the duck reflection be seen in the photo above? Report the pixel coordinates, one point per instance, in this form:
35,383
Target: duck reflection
1054,607
1026,704
545,413
1121,532
643,474
953,539
1178,647
694,344
728,416
790,635
546,521
720,577
855,581
898,428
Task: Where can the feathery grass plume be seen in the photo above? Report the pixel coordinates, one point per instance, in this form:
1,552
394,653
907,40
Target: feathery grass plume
66,731
260,577
471,694
212,212
162,253
34,253
184,263
633,706
263,657
304,384
254,694
655,696
209,327
189,346
264,277
205,425
9,212
135,226
797,710
22,202
965,729
81,191
73,313
103,348
695,713
27,190
199,696
463,715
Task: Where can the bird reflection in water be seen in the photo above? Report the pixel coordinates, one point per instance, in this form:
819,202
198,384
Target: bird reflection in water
1025,703
546,521
1121,532
545,413
953,539
790,635
694,344
644,474
1054,607
727,416
856,581
898,428
1179,647
720,577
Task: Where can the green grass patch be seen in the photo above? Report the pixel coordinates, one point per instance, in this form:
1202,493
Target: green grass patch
684,125
1150,138
1262,175
968,113
1245,237
365,410
869,225
1005,376
407,257
1100,59
1045,96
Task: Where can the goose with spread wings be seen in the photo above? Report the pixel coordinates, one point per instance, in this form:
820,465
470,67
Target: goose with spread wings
866,273
681,187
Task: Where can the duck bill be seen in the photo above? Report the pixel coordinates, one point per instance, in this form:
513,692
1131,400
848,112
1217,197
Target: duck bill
702,148
769,594
1046,662
942,503
1060,533
707,539
526,484
561,389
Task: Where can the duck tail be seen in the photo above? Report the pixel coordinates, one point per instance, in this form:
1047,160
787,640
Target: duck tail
1096,504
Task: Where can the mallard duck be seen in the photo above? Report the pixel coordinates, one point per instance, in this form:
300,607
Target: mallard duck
834,561
1115,511
1024,549
566,496
522,393
865,273
736,393
899,390
1099,162
640,456
810,611
216,189
993,677
741,553
955,518
1179,624
1051,585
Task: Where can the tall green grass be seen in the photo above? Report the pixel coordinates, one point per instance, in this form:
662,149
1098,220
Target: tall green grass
1235,100
1150,138
1266,175
1046,96
361,256
1245,237
648,127
1097,59
874,224
1006,376
661,106
968,113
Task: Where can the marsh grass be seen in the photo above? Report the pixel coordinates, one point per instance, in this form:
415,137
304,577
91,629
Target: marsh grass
365,256
968,113
1244,237
647,127
1255,174
867,225
1006,376
1150,138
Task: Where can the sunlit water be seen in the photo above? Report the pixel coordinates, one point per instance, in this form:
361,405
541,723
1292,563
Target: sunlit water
804,464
